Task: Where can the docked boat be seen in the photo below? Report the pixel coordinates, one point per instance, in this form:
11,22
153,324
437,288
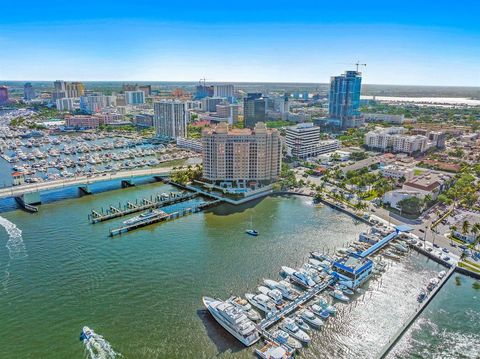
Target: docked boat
289,326
244,305
262,302
324,305
143,217
432,284
311,318
299,277
442,274
301,323
422,296
344,289
233,320
274,295
322,313
318,256
273,350
338,294
399,247
284,287
282,337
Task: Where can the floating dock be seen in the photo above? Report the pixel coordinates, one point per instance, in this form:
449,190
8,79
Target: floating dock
162,217
144,204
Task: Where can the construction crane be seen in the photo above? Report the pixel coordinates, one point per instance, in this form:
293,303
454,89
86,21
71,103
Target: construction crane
359,64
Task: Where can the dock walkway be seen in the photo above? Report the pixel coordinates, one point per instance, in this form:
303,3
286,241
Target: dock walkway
158,201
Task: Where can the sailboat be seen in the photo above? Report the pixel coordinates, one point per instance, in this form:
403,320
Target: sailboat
251,231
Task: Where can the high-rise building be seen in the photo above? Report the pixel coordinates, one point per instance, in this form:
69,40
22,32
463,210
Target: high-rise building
241,155
28,92
302,140
209,104
170,119
3,95
96,102
228,111
253,109
224,90
134,97
75,89
202,91
147,89
65,104
344,99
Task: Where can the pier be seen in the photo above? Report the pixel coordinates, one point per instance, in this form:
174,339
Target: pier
144,204
162,217
398,335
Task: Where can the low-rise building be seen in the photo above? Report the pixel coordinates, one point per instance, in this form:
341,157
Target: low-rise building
394,197
397,172
428,183
82,121
381,117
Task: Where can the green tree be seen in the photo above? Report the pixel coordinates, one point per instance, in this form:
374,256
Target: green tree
412,205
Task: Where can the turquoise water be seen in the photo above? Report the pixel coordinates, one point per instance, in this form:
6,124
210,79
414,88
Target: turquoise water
142,290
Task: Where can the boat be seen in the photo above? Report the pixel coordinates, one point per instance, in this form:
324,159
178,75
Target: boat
318,256
311,318
399,247
301,323
299,277
322,313
432,284
273,350
251,231
233,320
442,274
282,337
338,294
324,305
312,272
274,295
289,326
86,334
143,217
262,302
421,296
344,289
284,287
244,305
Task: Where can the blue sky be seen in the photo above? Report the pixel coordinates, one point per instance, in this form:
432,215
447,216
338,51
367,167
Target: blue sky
407,42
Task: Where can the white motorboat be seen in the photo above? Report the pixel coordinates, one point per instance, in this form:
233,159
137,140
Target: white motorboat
312,272
143,217
338,294
284,338
302,324
317,310
299,277
233,319
324,304
311,318
262,302
442,274
284,287
432,284
273,350
399,247
274,294
289,326
244,305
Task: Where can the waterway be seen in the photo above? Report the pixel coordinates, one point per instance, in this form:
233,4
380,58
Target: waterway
142,290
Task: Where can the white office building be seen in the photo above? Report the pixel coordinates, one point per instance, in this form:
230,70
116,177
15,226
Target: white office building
65,104
302,140
170,119
394,139
224,90
134,97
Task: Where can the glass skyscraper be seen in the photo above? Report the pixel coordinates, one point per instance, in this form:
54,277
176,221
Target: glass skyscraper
344,99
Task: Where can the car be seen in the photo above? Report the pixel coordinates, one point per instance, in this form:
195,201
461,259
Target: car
436,245
429,249
453,244
421,230
445,250
446,258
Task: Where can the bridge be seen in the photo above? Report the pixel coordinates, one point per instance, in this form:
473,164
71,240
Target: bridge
29,194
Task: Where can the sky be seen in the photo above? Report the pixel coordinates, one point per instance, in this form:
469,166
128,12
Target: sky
402,42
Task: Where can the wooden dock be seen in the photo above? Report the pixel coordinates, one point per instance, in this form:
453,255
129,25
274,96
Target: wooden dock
162,217
144,204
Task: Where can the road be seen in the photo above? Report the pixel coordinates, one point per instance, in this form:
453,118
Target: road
73,181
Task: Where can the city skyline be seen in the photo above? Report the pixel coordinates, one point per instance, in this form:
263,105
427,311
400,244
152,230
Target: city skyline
271,43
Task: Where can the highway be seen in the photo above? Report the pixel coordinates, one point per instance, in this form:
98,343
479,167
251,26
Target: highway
81,180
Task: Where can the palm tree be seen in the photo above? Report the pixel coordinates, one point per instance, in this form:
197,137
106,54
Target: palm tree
427,199
453,229
475,231
465,227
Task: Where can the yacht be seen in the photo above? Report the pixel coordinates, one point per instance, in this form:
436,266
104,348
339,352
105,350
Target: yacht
284,338
442,274
244,305
262,302
400,247
421,296
312,272
311,318
324,305
233,320
273,350
299,277
318,256
284,287
289,326
301,323
344,289
432,284
86,334
322,313
338,294
274,294
143,217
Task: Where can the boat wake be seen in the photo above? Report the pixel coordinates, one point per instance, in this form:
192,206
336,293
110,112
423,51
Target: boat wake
16,247
98,348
